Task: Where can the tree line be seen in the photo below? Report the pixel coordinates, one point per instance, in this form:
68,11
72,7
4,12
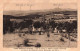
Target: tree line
10,26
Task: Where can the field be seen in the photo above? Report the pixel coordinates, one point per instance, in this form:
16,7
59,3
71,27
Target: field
14,40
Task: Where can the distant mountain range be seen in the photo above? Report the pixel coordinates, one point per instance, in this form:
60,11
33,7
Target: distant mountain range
24,13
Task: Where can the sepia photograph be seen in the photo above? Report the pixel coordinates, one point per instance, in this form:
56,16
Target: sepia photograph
40,24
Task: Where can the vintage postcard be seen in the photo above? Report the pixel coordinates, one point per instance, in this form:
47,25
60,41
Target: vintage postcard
39,25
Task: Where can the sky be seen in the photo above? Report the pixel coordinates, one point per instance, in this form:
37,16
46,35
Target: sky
38,4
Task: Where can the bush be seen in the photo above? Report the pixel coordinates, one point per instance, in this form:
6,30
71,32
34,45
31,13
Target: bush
38,45
26,42
61,39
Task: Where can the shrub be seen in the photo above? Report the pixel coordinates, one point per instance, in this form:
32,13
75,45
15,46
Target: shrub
38,45
26,42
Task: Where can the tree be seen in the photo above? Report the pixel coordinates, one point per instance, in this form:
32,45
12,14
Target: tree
25,24
53,24
11,27
7,26
37,24
69,27
60,26
74,23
